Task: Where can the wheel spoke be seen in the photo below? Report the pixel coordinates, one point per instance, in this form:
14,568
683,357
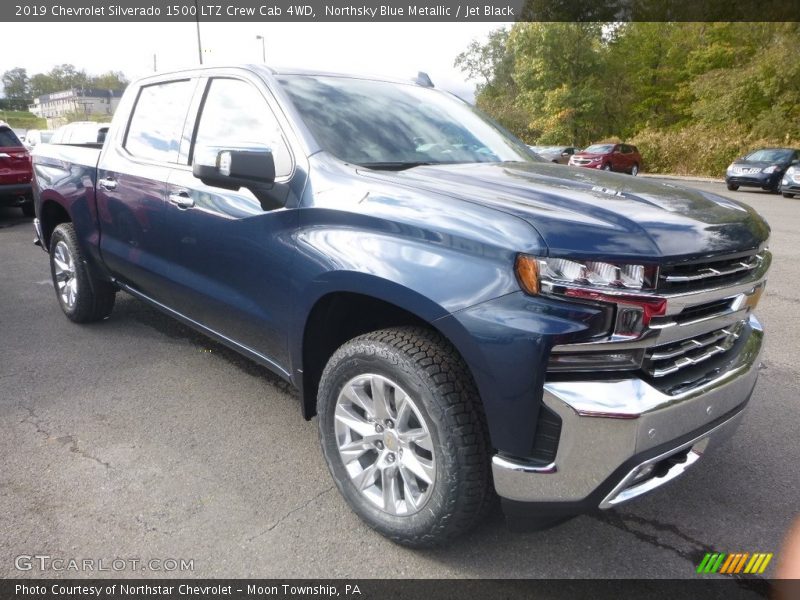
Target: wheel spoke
410,488
61,265
354,449
391,490
350,418
404,411
359,397
420,437
367,477
421,467
380,399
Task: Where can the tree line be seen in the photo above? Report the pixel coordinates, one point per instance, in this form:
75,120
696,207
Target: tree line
21,88
711,90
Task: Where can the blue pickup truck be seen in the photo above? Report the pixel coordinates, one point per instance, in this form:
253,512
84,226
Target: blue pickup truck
466,320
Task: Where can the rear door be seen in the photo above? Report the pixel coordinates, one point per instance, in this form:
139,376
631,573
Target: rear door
131,186
15,162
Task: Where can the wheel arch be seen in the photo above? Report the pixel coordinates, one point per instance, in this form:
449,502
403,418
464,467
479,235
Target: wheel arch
338,316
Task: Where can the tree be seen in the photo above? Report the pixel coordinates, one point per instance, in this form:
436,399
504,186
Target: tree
16,86
60,77
112,80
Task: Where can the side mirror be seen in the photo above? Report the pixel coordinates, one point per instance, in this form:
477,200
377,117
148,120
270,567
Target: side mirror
565,153
234,168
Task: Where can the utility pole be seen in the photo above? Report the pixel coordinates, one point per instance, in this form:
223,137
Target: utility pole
155,64
199,45
263,48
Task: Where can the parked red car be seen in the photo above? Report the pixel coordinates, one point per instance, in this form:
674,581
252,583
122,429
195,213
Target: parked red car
623,158
15,172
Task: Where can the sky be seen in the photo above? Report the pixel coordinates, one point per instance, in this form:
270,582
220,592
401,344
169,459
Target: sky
390,49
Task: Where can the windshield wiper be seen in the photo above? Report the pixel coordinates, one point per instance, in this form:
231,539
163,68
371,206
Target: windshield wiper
398,165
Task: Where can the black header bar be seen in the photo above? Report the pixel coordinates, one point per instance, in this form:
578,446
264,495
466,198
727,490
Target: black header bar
398,10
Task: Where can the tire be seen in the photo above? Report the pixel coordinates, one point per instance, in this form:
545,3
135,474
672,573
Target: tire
606,167
82,296
787,195
635,170
28,209
417,366
732,187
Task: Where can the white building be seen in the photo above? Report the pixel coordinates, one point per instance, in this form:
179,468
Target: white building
84,102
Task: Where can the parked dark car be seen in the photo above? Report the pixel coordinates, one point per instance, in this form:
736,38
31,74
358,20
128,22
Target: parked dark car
15,172
790,182
465,318
763,169
556,154
623,158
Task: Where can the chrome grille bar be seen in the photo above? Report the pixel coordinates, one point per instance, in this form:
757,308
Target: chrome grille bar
710,272
670,358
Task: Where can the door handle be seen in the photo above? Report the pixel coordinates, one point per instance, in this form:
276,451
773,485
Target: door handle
107,183
181,199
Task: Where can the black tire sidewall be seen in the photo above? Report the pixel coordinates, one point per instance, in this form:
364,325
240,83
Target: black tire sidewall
401,370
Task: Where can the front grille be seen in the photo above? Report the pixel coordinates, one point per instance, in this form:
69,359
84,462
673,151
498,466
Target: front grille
697,275
670,358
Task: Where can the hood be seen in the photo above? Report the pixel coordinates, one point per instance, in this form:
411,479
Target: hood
585,213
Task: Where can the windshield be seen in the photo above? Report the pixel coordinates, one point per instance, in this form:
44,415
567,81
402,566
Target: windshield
773,155
599,148
390,125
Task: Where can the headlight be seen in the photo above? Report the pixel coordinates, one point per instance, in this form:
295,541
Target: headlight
532,272
791,171
620,286
771,169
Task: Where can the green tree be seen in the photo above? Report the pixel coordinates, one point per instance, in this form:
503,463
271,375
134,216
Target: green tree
16,88
112,80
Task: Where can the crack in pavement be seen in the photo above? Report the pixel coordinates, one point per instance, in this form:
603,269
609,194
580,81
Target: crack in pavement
71,440
628,523
290,513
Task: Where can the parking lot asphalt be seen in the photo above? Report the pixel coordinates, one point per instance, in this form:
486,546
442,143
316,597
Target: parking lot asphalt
137,438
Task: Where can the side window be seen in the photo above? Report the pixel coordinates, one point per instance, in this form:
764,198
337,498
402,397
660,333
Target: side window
235,113
156,126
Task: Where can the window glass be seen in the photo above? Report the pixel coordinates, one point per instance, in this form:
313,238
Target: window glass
157,123
8,139
236,114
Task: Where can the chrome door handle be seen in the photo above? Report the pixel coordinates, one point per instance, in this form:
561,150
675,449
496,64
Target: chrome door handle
181,199
107,183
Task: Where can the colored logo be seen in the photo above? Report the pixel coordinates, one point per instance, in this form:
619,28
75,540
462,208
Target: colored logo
738,562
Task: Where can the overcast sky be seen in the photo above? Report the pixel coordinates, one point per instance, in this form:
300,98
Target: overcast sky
394,49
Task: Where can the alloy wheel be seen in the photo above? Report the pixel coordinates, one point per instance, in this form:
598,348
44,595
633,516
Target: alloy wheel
66,281
385,444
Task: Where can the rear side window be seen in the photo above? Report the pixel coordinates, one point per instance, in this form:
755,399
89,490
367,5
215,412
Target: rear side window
8,138
235,113
156,126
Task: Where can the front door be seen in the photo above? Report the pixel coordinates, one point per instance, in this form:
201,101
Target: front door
231,256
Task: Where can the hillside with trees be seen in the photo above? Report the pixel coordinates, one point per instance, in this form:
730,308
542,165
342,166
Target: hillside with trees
691,96
20,89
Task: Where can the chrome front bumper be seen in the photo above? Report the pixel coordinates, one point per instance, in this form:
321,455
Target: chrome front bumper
613,431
